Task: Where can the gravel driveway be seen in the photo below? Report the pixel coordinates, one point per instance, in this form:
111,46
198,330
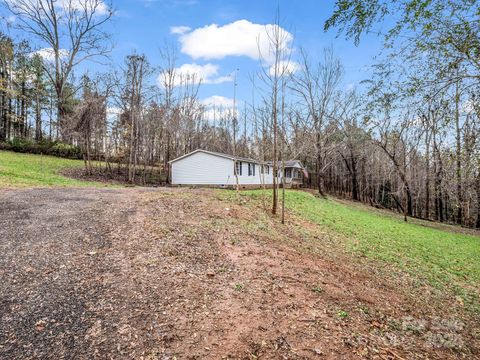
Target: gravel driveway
181,274
49,241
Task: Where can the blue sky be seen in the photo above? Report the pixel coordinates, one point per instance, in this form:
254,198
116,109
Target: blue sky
145,26
197,27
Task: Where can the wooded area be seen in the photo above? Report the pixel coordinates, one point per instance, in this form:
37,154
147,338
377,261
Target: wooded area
408,139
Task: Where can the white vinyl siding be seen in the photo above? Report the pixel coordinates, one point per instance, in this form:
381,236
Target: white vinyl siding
254,177
203,168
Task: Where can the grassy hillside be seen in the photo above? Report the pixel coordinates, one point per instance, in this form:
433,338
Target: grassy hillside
442,257
27,170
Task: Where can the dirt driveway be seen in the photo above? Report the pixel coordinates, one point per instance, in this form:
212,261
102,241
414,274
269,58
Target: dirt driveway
181,274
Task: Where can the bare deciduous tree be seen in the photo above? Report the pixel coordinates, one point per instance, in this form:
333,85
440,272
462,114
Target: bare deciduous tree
71,32
278,56
316,86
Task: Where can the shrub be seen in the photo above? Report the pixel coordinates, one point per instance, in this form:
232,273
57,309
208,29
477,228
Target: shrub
66,150
46,147
21,145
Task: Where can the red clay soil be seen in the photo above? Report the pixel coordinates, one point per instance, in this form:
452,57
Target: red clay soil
182,274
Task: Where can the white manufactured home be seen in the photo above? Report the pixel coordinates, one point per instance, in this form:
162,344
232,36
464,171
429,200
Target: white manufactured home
201,167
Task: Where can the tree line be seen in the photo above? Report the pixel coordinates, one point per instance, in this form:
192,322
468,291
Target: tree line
406,139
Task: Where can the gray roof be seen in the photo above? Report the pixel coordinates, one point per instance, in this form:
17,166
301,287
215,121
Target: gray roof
289,163
236,158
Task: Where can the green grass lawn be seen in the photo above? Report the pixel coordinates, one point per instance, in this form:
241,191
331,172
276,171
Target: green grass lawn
442,257
28,170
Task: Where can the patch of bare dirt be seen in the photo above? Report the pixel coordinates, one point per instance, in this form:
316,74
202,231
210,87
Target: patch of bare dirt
180,274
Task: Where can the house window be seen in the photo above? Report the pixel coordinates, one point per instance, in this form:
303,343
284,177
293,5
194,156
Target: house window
265,169
288,173
251,169
238,168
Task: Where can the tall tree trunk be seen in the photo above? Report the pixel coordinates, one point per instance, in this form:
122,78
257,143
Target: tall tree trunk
319,163
9,118
427,175
3,108
61,114
23,112
354,178
275,165
167,157
3,118
458,155
38,118
409,199
275,131
477,189
352,169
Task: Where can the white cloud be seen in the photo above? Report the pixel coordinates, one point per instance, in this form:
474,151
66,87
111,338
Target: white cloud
218,101
218,107
114,110
284,67
100,7
350,86
179,30
240,38
207,74
217,114
48,54
467,106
